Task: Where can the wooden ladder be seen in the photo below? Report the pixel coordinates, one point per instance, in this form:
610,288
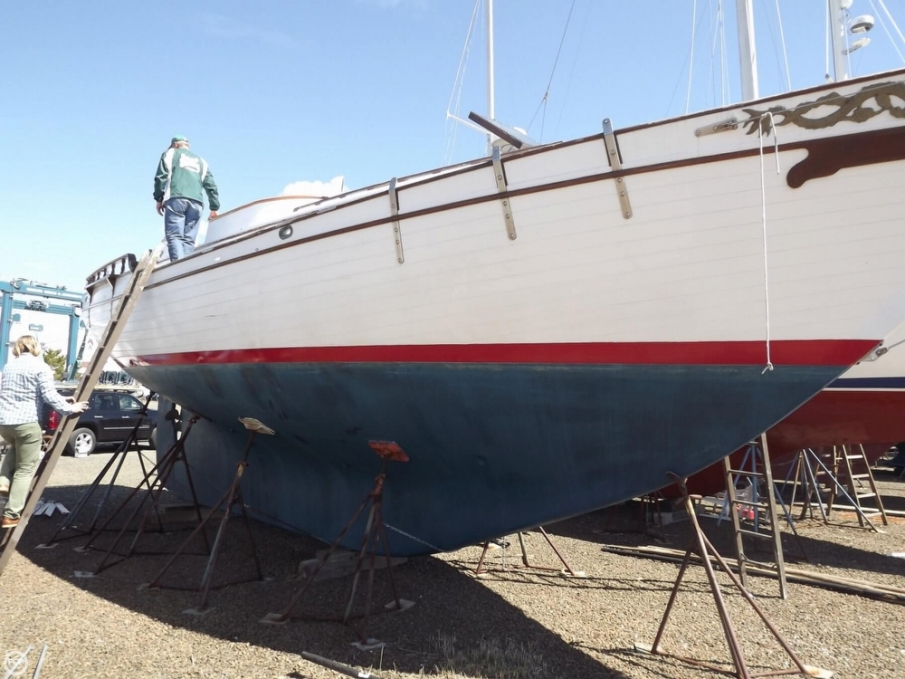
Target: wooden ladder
759,511
855,469
141,272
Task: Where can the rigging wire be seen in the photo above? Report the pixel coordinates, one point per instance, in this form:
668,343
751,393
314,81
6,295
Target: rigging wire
688,58
724,57
675,88
782,42
694,25
715,32
718,47
886,28
718,53
848,53
458,84
543,101
782,47
826,41
584,27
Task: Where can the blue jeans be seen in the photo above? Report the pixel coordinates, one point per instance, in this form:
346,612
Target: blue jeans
180,224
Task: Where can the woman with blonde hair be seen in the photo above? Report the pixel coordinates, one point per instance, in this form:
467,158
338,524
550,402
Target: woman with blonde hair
25,383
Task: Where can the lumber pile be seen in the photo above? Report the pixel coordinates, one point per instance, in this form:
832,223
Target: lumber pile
849,585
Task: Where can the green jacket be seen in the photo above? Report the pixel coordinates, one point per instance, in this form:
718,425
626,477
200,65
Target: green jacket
182,174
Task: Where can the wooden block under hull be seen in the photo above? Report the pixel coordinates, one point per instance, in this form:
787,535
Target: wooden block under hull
342,563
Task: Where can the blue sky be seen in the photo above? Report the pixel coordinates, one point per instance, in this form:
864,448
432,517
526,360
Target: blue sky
280,91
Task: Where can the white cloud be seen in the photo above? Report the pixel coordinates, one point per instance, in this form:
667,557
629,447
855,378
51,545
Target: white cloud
316,188
223,27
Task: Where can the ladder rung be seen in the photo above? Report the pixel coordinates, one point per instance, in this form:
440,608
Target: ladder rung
762,564
859,476
748,503
742,472
863,495
756,534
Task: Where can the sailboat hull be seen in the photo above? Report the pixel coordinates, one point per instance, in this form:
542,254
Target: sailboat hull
865,407
493,448
545,333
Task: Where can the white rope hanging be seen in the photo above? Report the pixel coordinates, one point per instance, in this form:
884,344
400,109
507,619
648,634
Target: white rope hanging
763,217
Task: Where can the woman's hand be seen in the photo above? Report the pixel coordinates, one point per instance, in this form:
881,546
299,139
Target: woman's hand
79,407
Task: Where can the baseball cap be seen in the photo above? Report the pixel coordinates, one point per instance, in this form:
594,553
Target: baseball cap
178,137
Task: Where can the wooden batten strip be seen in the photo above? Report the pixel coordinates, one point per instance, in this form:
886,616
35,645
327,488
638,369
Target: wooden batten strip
847,585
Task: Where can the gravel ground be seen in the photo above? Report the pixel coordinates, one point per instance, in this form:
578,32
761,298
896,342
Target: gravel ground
508,624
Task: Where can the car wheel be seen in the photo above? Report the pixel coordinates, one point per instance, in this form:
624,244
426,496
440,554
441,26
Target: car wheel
152,439
82,442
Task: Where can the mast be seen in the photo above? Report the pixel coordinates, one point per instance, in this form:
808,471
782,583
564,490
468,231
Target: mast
837,31
747,49
491,114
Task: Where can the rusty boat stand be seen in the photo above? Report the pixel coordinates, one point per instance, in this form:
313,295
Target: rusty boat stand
118,458
701,546
231,498
480,569
374,532
161,471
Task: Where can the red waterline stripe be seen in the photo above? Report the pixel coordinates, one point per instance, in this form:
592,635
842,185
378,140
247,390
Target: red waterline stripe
786,352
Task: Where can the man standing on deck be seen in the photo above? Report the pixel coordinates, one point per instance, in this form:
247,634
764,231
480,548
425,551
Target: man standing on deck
181,179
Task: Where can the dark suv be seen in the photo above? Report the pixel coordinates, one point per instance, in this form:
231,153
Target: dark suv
110,418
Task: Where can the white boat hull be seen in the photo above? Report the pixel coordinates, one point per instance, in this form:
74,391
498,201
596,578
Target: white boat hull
738,291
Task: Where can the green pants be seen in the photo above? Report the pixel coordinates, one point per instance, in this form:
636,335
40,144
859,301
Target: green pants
19,463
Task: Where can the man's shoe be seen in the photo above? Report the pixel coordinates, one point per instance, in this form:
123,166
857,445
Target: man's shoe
9,523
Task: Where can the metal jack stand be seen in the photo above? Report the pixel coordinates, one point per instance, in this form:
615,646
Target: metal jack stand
163,469
233,496
375,531
701,546
808,471
118,458
480,569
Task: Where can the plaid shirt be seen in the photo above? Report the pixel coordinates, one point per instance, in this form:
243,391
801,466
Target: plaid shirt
25,383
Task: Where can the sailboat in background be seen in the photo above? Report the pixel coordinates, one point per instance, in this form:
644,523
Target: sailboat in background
545,331
866,405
